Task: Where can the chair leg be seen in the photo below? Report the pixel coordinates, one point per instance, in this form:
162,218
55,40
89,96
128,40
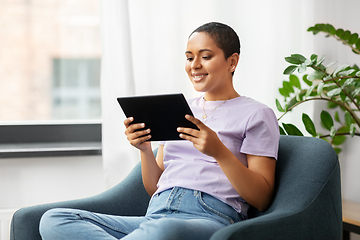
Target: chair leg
346,235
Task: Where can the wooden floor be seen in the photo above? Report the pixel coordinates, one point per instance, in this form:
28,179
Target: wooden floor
351,218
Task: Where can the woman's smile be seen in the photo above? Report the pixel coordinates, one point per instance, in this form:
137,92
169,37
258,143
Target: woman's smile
207,68
198,77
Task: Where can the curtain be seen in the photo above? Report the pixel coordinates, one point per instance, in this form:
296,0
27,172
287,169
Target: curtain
143,53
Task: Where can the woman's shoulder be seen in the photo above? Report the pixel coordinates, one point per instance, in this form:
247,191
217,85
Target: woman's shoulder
195,100
250,103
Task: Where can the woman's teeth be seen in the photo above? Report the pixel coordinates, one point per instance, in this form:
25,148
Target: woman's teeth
199,76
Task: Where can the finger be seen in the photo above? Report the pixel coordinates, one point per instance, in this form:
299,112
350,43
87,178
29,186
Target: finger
195,121
128,121
138,134
188,131
134,127
140,140
187,137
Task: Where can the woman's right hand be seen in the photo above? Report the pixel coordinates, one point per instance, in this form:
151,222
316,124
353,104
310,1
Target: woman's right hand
137,138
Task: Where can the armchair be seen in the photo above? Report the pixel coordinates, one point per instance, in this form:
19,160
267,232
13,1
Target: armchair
306,203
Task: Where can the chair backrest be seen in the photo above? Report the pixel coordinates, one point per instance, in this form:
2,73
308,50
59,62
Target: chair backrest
305,166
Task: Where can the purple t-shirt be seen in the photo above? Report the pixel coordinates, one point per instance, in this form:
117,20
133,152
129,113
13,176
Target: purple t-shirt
244,125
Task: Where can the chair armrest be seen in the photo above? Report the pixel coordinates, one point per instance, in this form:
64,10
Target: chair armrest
127,198
320,219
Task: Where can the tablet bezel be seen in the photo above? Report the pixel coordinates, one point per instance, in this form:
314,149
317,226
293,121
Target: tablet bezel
163,114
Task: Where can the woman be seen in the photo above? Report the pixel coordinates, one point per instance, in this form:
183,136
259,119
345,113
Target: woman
206,182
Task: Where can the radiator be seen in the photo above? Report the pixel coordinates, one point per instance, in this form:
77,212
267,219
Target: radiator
5,220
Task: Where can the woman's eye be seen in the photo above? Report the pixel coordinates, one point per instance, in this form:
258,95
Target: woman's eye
206,57
189,59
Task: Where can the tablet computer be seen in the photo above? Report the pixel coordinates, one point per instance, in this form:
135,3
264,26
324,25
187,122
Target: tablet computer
163,114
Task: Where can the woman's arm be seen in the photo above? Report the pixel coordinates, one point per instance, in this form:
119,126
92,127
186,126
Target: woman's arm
255,183
151,168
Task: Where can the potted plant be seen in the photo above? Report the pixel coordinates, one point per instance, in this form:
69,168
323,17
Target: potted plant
338,85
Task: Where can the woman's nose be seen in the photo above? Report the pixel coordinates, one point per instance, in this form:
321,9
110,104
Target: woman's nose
196,63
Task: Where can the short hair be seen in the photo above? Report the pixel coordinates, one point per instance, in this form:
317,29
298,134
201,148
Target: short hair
224,37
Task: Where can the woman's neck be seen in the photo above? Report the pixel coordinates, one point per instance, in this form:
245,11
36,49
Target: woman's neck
223,96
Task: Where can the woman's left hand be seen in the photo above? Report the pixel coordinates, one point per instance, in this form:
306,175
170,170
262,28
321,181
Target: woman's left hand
205,140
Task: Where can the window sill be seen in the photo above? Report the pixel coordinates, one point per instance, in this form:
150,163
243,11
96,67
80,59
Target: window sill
25,150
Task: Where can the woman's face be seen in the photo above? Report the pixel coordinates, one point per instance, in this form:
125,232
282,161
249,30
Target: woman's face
206,66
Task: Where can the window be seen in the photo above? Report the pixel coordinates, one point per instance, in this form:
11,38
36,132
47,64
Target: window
76,89
50,49
49,67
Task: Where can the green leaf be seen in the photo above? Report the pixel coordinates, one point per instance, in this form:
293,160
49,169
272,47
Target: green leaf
345,36
295,59
332,132
284,92
331,105
346,73
336,117
297,95
326,120
309,83
313,29
278,106
281,130
337,150
294,80
339,32
309,91
309,125
338,140
302,68
290,69
315,75
288,86
339,69
330,29
356,92
321,27
343,129
320,61
357,44
300,57
352,130
292,129
334,92
320,88
313,58
353,38
348,119
343,96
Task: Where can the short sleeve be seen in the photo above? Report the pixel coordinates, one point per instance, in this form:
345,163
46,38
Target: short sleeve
262,134
162,143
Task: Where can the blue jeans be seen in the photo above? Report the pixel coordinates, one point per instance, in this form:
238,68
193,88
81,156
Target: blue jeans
177,213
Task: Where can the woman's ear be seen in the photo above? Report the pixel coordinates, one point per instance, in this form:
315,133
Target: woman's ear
233,60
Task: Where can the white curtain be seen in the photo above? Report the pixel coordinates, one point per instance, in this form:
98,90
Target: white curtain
143,53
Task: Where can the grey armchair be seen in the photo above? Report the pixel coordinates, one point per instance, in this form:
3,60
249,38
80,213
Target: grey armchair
306,203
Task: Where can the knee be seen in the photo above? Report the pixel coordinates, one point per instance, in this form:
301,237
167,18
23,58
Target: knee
51,220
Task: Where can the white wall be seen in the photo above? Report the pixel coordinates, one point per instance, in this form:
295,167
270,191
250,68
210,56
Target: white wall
342,14
31,181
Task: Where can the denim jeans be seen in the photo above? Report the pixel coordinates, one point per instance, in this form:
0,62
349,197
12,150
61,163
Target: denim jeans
177,213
